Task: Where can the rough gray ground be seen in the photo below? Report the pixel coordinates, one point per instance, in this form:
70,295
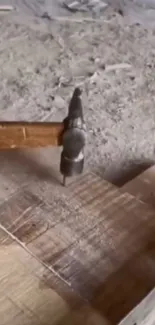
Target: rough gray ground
42,61
134,10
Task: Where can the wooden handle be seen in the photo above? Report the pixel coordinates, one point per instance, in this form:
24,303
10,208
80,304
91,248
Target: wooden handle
14,135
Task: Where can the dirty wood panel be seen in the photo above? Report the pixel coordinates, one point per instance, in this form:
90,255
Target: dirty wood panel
101,240
143,186
26,297
23,297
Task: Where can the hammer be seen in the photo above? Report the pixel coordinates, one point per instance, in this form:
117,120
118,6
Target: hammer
70,134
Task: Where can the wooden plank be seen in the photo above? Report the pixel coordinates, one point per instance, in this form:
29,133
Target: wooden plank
143,186
22,297
16,135
92,237
26,297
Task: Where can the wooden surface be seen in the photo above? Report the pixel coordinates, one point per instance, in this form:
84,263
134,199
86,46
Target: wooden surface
26,292
16,135
143,187
93,239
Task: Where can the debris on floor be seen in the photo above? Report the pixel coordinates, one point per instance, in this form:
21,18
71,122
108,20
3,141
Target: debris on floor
6,8
95,6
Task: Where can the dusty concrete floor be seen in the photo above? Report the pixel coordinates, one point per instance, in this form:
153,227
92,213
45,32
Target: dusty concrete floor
42,61
142,11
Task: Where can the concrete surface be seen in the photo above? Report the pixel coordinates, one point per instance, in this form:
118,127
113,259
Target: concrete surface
38,57
141,11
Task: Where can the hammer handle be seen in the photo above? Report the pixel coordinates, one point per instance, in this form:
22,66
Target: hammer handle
16,135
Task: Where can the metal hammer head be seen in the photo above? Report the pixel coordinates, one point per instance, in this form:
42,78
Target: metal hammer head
73,139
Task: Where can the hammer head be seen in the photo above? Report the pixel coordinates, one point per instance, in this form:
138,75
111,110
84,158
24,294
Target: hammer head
74,138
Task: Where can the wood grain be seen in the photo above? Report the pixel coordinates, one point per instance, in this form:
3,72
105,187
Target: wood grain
23,297
26,297
15,135
93,238
143,187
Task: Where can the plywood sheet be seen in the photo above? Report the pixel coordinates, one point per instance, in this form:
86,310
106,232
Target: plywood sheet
23,298
26,297
143,187
92,237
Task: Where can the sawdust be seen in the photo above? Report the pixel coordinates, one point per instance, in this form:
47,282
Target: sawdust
41,63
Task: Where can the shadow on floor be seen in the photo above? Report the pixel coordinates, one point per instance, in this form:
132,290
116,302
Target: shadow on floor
44,164
119,177
27,164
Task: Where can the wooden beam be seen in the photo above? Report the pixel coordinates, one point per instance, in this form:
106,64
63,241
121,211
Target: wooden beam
16,135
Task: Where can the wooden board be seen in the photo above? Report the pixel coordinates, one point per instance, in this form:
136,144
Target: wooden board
18,135
93,238
143,186
26,292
